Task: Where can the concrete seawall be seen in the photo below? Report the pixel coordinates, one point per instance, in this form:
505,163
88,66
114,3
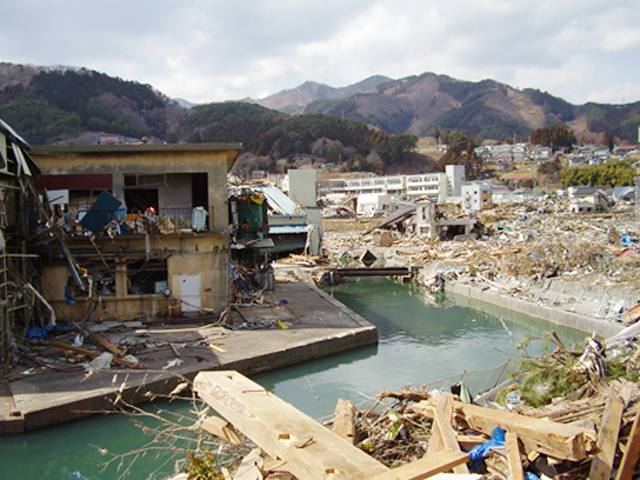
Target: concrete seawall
544,303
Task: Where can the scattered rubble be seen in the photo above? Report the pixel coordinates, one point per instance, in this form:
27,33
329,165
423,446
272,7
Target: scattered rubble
590,431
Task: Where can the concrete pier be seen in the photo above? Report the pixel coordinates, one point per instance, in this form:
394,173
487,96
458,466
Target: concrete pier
295,323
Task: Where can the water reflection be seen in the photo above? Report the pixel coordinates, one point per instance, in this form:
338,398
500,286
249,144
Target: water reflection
422,339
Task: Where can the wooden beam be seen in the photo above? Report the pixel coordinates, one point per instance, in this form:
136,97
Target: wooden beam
426,466
443,437
469,441
514,461
602,465
344,420
630,458
106,344
558,440
312,452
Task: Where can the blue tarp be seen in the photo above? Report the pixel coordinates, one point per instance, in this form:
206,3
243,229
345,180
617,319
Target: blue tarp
101,212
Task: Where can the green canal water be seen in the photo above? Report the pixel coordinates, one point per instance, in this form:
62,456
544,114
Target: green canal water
419,342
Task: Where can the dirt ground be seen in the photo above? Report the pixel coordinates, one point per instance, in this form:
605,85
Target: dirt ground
349,225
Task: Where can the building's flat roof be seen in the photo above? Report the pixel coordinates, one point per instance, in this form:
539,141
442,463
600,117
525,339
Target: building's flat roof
142,147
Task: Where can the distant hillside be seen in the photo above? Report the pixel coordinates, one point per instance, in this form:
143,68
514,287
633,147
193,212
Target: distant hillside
48,105
487,109
70,105
295,100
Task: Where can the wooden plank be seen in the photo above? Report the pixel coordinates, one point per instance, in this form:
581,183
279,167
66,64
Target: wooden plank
555,439
311,451
445,436
514,461
106,344
426,466
602,465
344,420
469,441
630,458
221,429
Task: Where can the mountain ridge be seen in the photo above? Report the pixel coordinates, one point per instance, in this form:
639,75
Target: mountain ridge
53,103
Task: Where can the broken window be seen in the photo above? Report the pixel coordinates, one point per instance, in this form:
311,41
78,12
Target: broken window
145,277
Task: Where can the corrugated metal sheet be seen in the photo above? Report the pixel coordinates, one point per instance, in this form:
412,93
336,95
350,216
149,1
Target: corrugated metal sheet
280,229
278,202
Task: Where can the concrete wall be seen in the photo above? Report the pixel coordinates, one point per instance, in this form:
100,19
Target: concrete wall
177,193
302,187
555,315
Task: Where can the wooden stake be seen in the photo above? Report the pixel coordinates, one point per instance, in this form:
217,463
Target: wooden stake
630,458
442,433
344,420
516,472
602,465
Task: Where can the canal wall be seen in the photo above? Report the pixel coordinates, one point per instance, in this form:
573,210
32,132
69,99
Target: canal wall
587,309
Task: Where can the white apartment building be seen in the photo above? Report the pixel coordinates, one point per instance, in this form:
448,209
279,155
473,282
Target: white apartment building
394,185
476,196
433,186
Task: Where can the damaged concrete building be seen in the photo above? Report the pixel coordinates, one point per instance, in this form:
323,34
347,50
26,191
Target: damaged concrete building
16,193
146,226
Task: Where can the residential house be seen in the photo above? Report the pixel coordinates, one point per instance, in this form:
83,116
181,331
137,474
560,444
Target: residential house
585,199
146,227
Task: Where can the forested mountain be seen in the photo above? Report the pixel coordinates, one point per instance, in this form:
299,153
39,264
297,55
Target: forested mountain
486,109
60,104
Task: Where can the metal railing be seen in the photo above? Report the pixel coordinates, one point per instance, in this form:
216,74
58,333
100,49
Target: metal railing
166,221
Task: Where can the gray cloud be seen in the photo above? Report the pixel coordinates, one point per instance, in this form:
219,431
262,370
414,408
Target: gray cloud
204,50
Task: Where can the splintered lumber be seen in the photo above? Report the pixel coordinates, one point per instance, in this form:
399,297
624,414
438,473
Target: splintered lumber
426,467
221,429
344,420
602,464
555,439
106,344
516,472
443,437
311,451
630,457
92,354
275,469
250,467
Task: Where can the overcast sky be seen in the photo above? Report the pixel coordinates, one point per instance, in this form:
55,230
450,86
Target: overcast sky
217,50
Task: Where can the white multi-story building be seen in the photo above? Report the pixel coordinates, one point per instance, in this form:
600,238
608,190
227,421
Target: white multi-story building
476,196
393,186
435,187
427,185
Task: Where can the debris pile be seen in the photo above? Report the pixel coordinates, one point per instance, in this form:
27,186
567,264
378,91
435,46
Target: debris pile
122,344
516,240
593,431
